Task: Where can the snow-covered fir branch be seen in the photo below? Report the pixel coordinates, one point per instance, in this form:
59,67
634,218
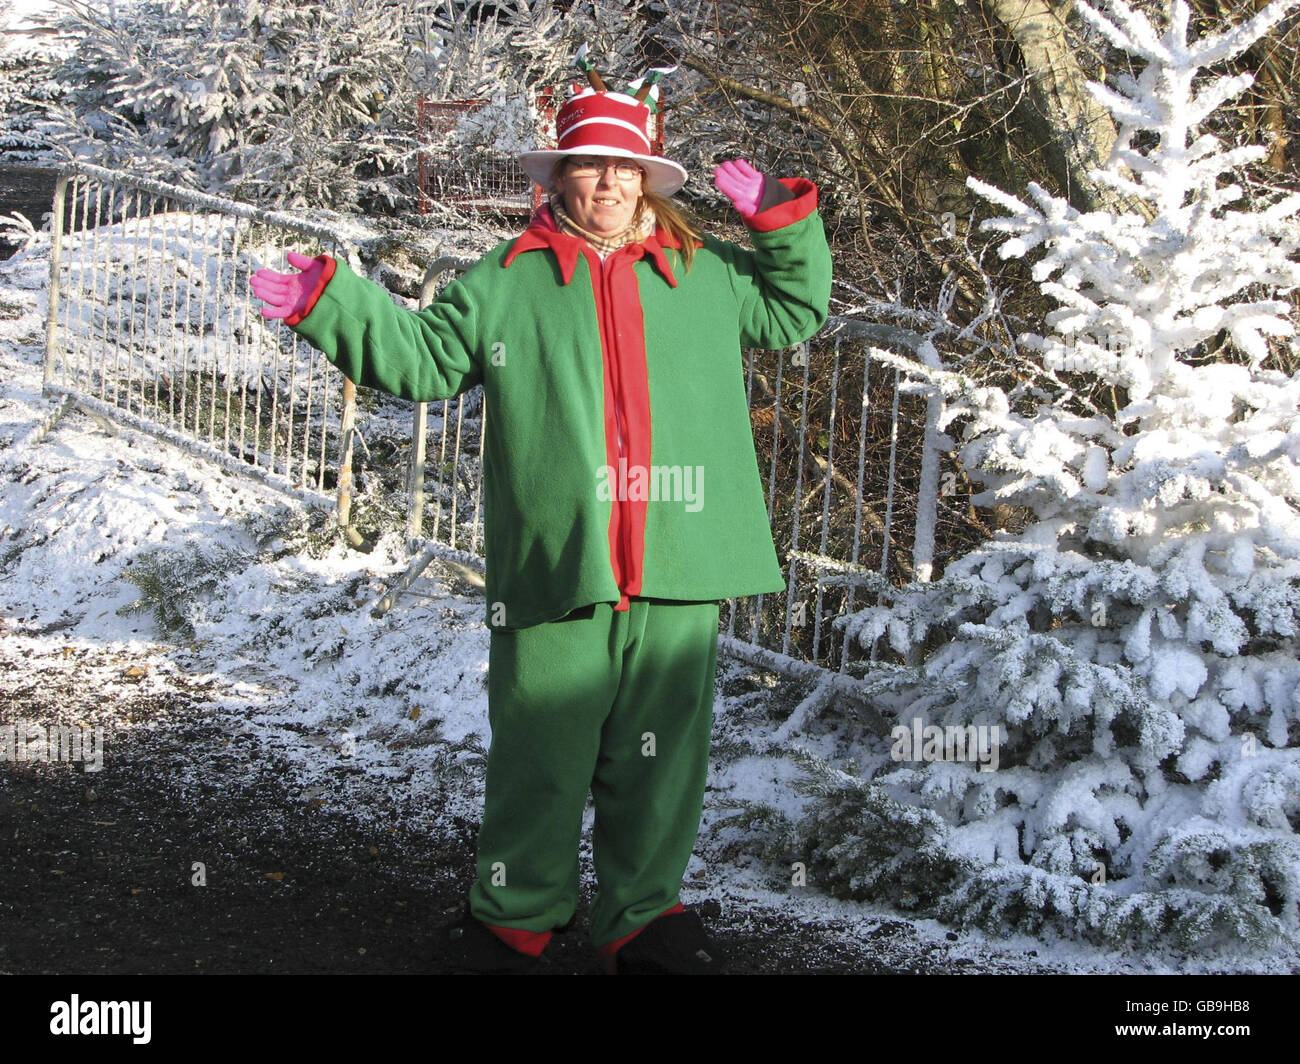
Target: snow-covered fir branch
1137,645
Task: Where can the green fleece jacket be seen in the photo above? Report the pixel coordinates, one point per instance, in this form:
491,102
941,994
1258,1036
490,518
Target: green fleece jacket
619,458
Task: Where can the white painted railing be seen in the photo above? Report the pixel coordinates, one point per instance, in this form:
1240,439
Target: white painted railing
150,322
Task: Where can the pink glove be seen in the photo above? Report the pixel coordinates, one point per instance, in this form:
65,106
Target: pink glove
741,184
287,294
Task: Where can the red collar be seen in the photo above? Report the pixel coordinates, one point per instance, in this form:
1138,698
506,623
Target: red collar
567,249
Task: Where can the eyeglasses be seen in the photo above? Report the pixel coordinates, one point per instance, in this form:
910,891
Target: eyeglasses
624,169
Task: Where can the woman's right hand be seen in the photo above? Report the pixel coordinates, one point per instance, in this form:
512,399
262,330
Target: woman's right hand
287,294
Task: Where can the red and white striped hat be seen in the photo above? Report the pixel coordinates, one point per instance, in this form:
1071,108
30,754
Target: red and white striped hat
605,123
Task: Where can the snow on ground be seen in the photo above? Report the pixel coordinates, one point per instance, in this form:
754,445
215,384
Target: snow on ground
379,718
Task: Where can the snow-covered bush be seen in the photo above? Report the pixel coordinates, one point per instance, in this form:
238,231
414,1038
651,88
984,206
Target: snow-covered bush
284,102
25,88
1137,645
176,585
295,104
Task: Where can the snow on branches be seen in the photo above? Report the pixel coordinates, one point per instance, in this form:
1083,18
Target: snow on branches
1138,643
1141,287
288,103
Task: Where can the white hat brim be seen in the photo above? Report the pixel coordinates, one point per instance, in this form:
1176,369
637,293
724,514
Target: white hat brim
662,175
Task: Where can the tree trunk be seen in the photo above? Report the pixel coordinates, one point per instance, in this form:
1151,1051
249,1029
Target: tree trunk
1076,132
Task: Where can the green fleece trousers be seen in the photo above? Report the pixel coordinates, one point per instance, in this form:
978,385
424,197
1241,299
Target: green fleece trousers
616,703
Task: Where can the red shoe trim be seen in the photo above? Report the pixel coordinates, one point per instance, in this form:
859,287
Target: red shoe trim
610,949
529,942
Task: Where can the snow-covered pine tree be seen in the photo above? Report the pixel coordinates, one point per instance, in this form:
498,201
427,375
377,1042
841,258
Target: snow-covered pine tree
1137,645
24,80
471,55
288,103
25,86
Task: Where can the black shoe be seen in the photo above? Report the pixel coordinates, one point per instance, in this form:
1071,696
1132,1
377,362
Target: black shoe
671,945
473,949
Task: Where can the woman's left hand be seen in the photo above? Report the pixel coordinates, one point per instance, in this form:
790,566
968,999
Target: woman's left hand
741,184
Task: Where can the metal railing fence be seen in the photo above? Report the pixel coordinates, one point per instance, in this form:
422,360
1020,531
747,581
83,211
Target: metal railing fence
849,455
150,322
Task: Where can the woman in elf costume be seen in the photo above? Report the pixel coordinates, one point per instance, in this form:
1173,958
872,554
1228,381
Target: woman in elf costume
622,501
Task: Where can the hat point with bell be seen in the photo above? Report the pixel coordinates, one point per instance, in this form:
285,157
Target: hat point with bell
600,121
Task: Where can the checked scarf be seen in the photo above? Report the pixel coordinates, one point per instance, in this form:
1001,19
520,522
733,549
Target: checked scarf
634,233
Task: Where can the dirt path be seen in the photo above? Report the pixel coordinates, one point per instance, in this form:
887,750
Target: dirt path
104,865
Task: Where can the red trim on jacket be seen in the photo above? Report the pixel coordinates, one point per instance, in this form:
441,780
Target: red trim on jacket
621,327
326,275
543,218
567,248
627,408
615,436
789,212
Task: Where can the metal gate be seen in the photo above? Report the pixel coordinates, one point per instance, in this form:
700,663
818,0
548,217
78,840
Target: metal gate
151,323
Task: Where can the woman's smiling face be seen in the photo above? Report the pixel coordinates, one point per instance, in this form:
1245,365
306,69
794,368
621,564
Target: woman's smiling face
601,203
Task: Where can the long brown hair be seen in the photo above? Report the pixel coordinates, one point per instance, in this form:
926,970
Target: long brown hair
668,215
